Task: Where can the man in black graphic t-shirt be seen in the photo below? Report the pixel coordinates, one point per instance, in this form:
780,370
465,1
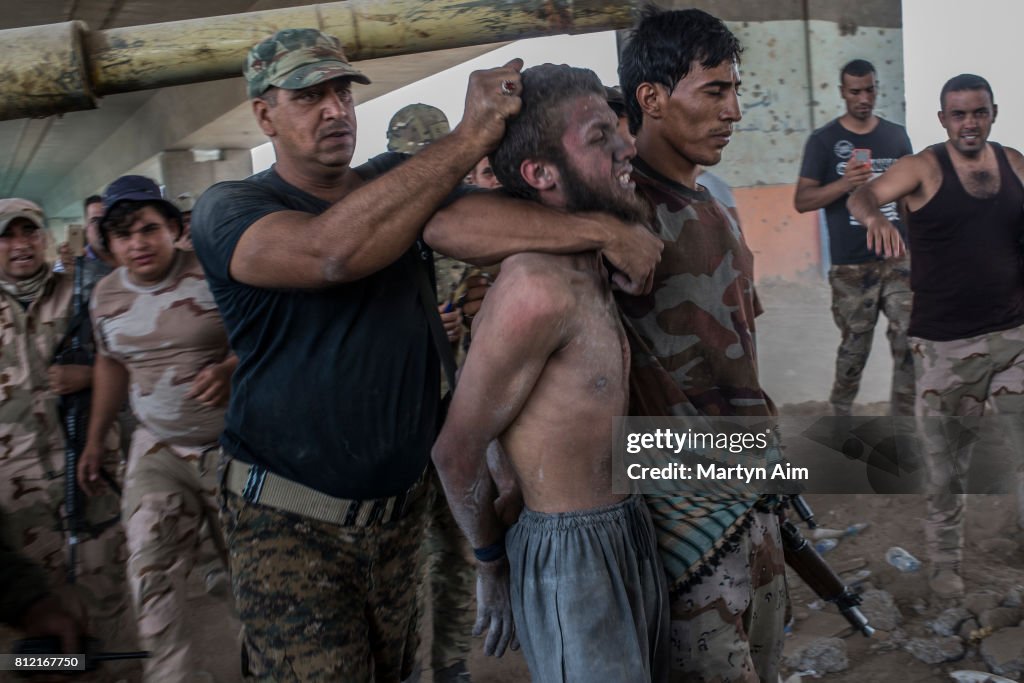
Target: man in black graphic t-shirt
863,284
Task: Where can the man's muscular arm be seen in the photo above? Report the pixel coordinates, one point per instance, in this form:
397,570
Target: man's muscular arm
902,179
520,326
1016,160
377,222
811,195
485,227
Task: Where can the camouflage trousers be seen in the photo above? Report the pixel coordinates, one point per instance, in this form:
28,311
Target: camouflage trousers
729,628
32,494
168,495
956,378
859,292
452,579
322,602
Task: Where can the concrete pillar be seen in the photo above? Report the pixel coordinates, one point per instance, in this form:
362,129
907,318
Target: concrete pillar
181,173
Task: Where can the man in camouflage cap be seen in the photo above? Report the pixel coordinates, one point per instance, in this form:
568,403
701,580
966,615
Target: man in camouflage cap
318,277
295,58
415,126
35,310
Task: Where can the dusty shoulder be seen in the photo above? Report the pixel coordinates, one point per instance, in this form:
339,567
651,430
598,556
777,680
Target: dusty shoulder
535,284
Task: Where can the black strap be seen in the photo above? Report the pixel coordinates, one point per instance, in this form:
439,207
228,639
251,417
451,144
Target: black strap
444,347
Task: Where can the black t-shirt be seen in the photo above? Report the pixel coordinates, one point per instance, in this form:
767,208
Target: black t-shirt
336,388
825,157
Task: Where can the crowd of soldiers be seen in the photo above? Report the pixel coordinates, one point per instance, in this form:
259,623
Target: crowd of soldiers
341,420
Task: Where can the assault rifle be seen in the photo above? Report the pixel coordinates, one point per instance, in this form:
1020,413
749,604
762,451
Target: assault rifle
74,411
809,566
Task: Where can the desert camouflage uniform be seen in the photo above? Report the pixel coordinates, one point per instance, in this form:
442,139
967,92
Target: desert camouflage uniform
726,629
694,352
956,378
163,336
32,470
859,292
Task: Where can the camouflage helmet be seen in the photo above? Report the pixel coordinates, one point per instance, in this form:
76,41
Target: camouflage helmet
415,126
296,58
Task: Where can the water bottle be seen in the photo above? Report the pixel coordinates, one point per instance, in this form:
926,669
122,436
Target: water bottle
824,545
902,560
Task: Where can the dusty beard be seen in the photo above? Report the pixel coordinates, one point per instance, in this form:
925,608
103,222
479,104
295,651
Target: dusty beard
580,196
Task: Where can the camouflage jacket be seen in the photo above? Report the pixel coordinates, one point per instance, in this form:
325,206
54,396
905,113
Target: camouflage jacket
29,422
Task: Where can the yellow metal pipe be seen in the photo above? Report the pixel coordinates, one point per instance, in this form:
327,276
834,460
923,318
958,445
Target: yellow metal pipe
66,67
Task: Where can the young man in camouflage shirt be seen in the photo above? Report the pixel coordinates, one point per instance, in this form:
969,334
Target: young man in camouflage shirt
160,338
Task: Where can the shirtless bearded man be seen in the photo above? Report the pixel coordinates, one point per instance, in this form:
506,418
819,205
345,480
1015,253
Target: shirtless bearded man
547,372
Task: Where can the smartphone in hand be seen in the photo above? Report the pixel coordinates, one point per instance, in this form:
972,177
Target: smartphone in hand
76,240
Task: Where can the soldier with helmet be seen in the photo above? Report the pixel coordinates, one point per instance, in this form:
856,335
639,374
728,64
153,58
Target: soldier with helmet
449,573
415,126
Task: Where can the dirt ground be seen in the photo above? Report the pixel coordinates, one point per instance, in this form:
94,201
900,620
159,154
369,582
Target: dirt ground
797,342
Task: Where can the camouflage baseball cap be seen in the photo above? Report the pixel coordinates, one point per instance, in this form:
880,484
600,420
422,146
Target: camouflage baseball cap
296,58
20,208
415,126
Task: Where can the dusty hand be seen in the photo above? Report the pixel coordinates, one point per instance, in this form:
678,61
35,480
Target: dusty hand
89,464
884,239
473,298
508,507
635,252
47,617
450,319
856,175
491,98
212,386
493,607
69,379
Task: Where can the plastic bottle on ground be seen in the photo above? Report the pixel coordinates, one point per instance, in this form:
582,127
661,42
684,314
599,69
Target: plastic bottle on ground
902,560
825,545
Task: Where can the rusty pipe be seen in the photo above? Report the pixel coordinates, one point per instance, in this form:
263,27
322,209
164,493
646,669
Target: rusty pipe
66,67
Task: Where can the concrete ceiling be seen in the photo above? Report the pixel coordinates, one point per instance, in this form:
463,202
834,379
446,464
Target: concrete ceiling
56,161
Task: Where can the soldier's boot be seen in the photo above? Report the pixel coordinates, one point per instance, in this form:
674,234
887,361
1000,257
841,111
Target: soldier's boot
946,582
455,673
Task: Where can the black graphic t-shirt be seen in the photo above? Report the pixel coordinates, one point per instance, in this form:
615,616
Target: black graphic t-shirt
826,155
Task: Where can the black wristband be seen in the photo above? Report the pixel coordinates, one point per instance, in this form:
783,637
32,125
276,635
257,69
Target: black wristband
492,552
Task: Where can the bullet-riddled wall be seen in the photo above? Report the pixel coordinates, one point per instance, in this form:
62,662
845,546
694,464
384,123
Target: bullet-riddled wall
793,50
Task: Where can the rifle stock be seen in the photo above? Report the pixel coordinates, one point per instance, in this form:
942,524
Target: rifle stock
812,568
